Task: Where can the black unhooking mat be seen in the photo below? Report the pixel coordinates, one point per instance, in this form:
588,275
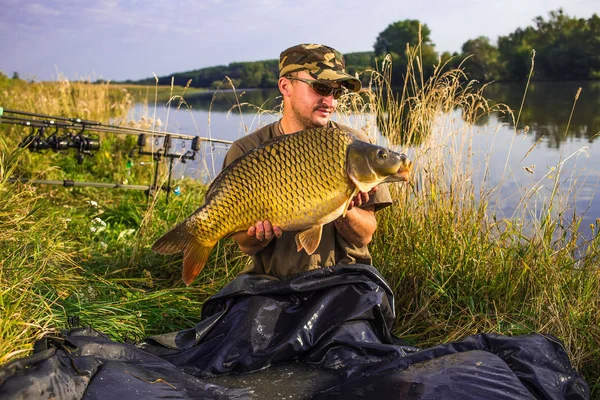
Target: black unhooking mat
321,334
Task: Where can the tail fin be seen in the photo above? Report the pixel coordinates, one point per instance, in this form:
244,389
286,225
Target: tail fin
195,254
173,241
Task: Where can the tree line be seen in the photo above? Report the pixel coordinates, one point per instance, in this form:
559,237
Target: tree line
252,74
566,48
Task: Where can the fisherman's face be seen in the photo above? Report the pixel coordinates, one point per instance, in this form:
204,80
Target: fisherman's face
308,108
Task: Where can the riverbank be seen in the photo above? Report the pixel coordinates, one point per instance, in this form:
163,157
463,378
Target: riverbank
454,267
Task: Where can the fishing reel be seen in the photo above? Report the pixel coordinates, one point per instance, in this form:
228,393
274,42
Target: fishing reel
35,142
84,144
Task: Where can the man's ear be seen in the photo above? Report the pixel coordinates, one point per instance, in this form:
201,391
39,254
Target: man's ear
285,86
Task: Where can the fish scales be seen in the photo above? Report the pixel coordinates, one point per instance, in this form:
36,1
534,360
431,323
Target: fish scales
258,187
299,182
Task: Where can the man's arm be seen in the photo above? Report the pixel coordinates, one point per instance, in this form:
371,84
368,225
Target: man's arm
359,224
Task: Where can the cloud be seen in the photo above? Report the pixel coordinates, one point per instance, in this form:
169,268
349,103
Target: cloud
41,10
129,38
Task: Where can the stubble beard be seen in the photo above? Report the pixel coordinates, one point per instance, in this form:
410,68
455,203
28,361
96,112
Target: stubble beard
308,122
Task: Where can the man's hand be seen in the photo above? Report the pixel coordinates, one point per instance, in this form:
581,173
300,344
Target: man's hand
359,224
361,198
257,237
263,230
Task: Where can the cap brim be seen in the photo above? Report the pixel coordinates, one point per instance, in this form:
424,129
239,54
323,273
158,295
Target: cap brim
350,82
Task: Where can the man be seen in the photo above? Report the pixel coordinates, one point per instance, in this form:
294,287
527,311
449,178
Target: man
311,79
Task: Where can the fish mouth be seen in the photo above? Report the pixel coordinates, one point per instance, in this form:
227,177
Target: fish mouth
403,173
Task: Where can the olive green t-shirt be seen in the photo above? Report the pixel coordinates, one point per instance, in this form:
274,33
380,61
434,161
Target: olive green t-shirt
280,257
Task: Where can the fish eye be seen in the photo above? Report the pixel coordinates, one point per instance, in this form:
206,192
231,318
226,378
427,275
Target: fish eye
381,153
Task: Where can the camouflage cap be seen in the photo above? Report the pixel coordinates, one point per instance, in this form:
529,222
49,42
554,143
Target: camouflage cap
321,62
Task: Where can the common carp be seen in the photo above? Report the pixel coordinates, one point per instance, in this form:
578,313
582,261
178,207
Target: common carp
299,182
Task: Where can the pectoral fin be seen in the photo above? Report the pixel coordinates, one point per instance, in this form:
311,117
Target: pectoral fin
347,204
309,239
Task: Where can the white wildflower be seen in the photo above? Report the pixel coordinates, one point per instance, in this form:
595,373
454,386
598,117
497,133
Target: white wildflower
98,221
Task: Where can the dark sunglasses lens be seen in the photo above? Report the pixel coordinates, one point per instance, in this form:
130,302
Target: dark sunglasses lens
322,89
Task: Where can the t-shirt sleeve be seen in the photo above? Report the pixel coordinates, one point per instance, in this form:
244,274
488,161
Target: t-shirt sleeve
381,198
234,152
249,142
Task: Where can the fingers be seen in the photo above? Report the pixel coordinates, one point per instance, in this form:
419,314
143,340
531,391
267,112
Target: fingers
364,197
268,230
264,230
260,231
360,199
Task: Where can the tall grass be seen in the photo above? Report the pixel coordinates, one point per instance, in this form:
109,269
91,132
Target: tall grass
455,267
86,252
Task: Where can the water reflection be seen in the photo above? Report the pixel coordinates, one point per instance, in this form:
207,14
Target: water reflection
545,112
230,115
547,108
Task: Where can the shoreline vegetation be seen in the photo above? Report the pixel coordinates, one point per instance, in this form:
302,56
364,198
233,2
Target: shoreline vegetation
455,268
565,49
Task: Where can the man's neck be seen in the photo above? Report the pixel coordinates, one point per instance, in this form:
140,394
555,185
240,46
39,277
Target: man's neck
289,125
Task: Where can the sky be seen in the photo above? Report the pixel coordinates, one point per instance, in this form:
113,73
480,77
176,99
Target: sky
118,40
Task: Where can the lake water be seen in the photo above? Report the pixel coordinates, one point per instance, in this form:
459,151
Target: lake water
506,151
571,148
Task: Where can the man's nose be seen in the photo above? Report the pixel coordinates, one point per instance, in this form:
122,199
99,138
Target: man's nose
329,100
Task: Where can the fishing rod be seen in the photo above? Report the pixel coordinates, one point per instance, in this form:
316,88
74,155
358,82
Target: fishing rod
86,144
72,183
94,126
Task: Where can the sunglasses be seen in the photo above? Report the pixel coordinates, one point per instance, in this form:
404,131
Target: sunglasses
320,88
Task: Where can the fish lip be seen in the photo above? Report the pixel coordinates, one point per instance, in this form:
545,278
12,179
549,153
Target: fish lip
402,175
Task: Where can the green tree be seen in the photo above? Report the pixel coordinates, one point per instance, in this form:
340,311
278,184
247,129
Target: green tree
592,44
566,48
561,47
515,53
394,40
358,62
483,61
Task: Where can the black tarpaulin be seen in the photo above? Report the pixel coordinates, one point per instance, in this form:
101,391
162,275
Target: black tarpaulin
321,334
